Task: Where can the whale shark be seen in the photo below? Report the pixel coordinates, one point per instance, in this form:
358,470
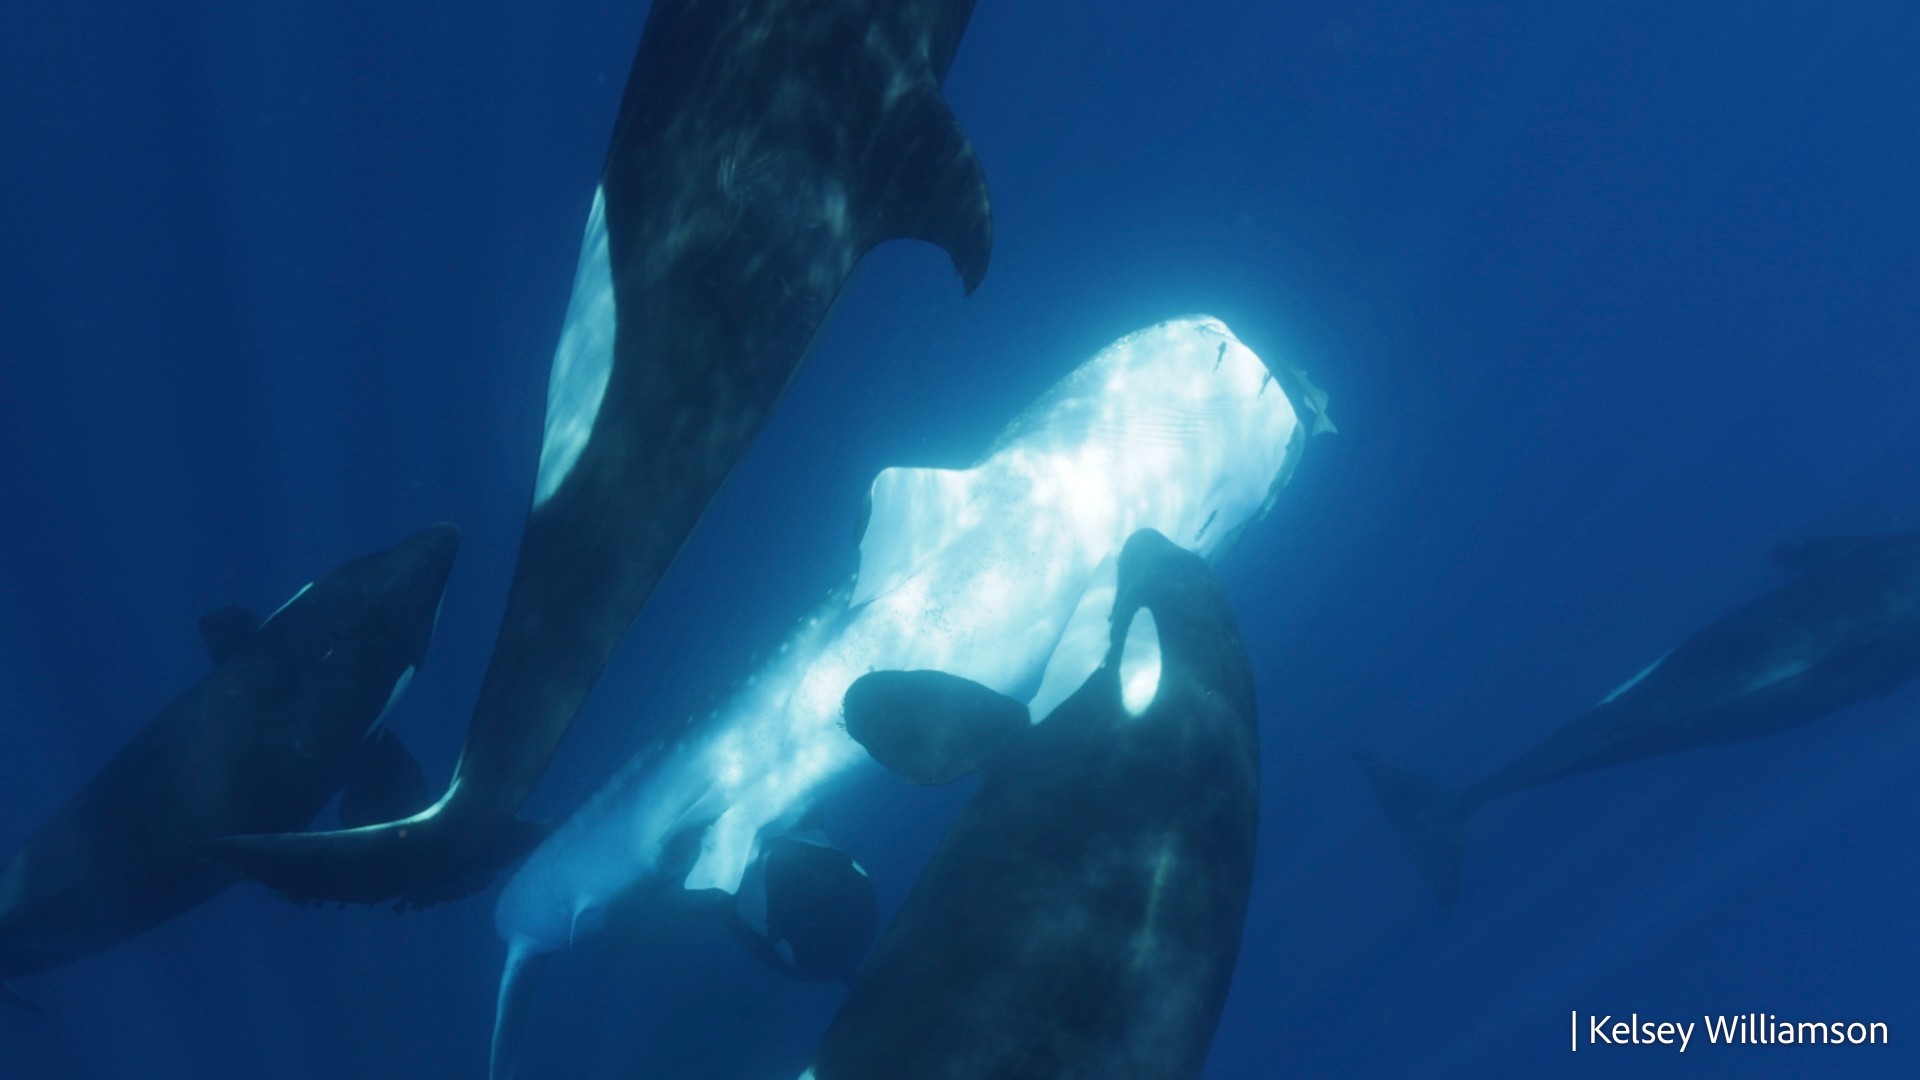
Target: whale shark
1082,917
761,148
804,908
1003,574
295,710
1844,631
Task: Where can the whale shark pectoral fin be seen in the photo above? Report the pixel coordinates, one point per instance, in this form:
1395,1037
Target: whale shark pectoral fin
1309,401
387,785
518,979
225,630
1816,554
913,514
1083,643
927,183
9,997
929,726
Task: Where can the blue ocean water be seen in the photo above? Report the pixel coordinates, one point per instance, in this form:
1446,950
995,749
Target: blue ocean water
1610,299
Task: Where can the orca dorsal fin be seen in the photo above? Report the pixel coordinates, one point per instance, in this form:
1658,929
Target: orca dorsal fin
914,513
926,183
226,630
1819,553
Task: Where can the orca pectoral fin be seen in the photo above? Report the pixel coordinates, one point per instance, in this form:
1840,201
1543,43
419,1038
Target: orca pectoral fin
387,785
8,996
225,630
929,726
927,183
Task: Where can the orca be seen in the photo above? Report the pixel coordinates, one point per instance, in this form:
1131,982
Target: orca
761,148
1082,918
294,710
1003,573
1845,630
957,723
806,909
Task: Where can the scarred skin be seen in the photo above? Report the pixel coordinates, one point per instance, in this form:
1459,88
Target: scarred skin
762,147
1082,919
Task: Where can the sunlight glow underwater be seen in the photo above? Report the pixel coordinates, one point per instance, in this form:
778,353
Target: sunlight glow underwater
1004,574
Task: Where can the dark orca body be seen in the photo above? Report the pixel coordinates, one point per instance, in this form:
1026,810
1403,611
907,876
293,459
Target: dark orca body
1846,630
806,909
292,713
762,147
1082,918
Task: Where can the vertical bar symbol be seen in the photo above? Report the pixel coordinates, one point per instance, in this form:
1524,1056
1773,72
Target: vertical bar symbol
1573,1032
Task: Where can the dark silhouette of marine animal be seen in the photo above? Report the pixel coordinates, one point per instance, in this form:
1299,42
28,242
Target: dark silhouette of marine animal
1082,918
762,148
1845,630
294,710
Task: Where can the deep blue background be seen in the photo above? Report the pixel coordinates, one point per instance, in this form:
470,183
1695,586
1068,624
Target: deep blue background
1610,298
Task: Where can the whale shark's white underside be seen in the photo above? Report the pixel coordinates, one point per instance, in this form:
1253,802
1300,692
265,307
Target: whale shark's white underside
1003,574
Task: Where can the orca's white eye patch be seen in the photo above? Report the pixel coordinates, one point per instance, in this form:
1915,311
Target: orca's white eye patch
1140,663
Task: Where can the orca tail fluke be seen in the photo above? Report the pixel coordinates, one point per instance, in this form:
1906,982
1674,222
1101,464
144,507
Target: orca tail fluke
1431,821
517,983
420,861
7,995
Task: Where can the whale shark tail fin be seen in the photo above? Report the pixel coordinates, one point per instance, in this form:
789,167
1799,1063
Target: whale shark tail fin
518,980
7,995
400,860
1431,821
